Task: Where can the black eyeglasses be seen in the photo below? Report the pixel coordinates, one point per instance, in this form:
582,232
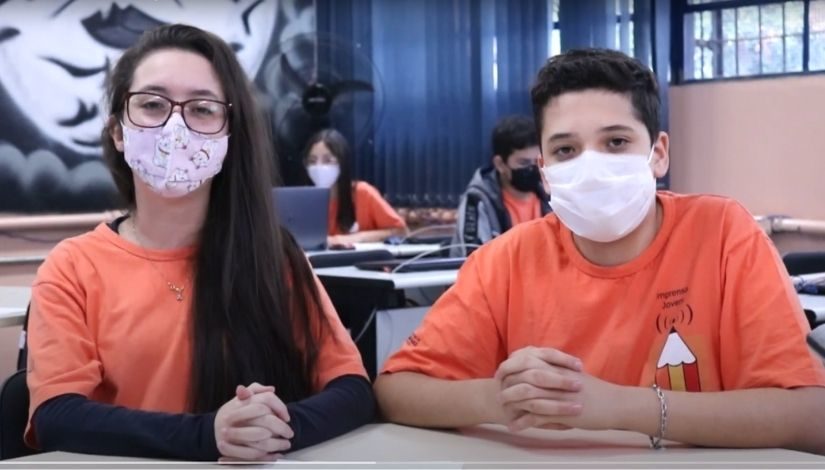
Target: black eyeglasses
201,115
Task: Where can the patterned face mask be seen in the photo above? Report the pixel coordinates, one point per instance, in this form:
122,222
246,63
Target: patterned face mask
173,160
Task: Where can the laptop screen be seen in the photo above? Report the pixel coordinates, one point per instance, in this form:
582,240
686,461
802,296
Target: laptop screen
302,210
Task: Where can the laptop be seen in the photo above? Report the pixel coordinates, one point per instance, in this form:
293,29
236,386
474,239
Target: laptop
302,210
419,265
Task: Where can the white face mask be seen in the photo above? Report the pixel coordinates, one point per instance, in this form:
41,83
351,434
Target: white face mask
601,196
324,175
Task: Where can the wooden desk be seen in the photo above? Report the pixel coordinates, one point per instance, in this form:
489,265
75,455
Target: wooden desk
392,446
13,303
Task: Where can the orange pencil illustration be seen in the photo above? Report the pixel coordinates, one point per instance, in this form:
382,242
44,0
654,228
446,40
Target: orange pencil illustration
677,368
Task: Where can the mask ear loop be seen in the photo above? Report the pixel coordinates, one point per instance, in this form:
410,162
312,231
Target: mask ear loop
650,155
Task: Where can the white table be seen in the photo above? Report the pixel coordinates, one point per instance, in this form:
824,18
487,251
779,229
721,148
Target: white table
352,276
392,446
494,444
399,251
13,303
403,250
814,305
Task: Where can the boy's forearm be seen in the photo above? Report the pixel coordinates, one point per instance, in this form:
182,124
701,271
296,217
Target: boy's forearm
768,417
417,400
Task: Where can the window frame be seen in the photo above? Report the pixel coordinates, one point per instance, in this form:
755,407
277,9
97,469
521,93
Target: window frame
681,8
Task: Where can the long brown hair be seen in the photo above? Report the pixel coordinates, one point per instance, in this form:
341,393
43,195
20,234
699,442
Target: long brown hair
254,293
338,146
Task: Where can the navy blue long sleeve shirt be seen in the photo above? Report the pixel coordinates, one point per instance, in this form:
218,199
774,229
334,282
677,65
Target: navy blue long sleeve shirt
73,423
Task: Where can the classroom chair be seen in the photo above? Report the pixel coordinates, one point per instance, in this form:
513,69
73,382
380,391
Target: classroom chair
14,405
23,352
807,262
816,339
14,415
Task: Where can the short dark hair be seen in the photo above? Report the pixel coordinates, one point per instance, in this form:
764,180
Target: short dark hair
513,133
602,69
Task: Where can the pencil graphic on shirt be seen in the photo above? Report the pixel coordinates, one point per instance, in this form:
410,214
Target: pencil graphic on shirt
677,368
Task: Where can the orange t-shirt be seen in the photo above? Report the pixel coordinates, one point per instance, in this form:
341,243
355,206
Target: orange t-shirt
521,210
372,212
708,306
104,324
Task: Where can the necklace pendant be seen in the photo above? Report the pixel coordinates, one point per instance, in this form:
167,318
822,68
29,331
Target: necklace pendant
178,292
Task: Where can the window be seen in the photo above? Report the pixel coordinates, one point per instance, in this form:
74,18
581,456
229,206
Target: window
817,35
741,38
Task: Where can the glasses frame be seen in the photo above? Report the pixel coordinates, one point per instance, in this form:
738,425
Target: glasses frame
182,105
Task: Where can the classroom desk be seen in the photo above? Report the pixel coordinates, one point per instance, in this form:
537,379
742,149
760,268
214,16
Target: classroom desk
814,306
398,251
358,295
350,276
13,303
403,250
494,444
393,446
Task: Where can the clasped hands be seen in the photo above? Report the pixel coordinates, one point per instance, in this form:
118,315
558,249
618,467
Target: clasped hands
253,426
546,388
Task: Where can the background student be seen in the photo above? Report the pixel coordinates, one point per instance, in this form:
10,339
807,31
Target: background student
357,212
669,315
507,192
192,327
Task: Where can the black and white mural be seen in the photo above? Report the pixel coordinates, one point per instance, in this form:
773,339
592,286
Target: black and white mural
54,57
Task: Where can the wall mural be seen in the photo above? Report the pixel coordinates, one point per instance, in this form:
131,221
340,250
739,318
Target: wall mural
54,57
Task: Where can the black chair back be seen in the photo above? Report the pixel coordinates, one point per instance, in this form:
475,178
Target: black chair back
14,415
23,344
804,262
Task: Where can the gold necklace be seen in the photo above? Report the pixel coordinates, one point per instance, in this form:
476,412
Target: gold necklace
178,291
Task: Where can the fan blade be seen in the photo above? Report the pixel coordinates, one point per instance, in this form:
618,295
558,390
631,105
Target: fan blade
295,129
291,74
350,86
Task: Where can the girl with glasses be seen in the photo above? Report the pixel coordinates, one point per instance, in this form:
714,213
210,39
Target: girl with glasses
192,327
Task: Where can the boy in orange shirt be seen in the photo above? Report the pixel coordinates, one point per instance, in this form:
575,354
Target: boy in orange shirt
618,309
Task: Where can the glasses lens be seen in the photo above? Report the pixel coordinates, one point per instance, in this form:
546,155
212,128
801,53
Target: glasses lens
204,116
147,110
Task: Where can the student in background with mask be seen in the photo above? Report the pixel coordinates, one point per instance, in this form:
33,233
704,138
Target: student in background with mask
506,193
191,328
669,315
357,212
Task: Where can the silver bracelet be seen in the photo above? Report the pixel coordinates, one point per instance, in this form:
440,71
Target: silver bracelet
656,442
